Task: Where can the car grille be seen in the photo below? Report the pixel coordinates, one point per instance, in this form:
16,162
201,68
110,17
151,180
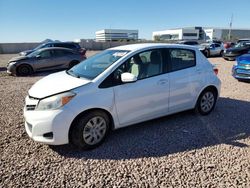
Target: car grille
243,75
30,107
244,65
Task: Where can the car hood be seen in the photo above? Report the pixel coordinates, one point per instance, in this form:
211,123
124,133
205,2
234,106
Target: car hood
55,83
26,52
19,58
244,59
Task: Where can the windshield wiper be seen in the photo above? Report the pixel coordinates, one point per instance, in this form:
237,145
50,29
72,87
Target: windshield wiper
71,73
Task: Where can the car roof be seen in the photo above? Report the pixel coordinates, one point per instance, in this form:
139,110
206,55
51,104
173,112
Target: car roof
60,43
135,47
56,48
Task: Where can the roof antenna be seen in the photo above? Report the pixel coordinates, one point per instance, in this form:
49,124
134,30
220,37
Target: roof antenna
230,27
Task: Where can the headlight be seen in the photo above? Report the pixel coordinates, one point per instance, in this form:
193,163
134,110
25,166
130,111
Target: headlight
11,63
55,102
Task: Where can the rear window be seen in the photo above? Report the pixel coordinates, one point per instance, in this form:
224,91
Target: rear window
181,59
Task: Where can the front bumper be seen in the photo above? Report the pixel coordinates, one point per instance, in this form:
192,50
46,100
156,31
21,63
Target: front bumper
11,69
240,72
49,127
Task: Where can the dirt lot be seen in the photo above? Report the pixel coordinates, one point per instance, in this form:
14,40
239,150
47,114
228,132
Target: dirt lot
182,150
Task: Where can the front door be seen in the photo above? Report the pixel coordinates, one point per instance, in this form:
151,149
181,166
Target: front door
146,98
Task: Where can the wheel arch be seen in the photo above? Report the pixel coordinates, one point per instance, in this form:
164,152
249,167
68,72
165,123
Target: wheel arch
24,64
86,112
212,87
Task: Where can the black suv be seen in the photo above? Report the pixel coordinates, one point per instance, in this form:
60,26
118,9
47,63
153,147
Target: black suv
240,48
71,45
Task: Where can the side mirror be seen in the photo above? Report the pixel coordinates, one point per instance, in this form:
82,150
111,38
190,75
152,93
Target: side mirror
38,56
128,77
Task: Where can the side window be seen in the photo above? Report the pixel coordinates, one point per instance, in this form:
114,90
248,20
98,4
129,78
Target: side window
146,64
181,59
61,52
217,45
143,65
45,54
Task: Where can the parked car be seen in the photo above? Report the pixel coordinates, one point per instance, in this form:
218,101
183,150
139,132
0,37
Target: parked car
188,42
243,40
44,59
116,88
212,49
241,70
239,49
228,45
70,45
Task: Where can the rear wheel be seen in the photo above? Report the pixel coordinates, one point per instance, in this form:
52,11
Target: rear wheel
221,53
206,102
207,53
24,70
72,64
90,130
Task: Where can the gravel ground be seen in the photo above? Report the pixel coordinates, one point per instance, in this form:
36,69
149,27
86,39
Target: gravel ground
182,150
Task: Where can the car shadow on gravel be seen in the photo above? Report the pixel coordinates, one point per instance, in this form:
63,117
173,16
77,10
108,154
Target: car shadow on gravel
3,69
186,131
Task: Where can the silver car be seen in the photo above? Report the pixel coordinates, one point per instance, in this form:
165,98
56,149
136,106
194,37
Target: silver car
44,59
212,49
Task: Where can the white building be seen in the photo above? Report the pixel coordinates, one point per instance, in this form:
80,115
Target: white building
201,33
116,35
177,34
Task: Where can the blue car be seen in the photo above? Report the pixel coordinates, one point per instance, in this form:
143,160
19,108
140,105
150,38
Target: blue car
241,70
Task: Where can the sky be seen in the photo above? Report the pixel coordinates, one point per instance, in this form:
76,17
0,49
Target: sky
66,20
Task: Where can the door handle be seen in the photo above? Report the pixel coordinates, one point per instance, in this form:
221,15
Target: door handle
198,71
162,82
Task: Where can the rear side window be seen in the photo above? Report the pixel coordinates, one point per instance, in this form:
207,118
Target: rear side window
181,59
65,45
217,45
62,52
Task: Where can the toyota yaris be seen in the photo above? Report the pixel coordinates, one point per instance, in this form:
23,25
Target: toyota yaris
118,87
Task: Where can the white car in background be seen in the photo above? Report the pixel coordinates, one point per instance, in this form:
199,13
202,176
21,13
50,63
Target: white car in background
118,87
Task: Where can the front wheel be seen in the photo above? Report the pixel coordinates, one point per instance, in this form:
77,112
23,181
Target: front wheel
24,70
206,102
90,130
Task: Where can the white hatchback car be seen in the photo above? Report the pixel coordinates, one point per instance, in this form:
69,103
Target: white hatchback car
118,87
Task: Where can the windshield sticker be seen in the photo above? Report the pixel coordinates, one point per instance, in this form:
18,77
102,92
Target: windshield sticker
119,54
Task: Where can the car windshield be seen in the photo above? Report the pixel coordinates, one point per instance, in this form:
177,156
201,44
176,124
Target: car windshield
240,44
95,65
34,54
40,46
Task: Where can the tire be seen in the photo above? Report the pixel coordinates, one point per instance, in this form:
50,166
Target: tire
72,64
90,130
221,54
24,70
207,53
206,102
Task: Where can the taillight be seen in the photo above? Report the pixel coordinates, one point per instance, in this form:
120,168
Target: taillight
216,71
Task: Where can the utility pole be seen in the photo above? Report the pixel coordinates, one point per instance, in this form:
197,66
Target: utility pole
230,27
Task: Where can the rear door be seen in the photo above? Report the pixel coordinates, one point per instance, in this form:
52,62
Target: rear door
61,58
217,49
184,79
